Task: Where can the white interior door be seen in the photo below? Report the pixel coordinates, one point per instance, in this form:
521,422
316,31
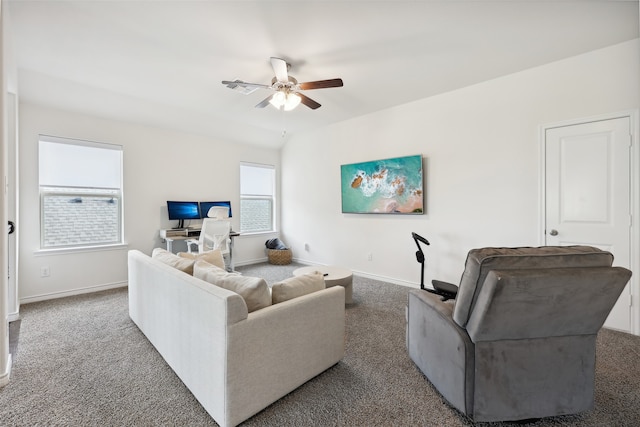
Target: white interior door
587,194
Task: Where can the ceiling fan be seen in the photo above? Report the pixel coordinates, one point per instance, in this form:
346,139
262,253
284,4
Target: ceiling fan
287,89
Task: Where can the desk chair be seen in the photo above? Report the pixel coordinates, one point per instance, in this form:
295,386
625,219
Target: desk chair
213,235
218,212
214,212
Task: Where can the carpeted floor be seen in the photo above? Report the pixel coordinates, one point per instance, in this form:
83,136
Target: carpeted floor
80,361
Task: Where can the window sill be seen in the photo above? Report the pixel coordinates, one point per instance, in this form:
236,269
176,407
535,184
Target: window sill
81,249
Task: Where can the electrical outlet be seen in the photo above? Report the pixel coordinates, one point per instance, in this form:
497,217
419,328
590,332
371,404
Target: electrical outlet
370,257
44,272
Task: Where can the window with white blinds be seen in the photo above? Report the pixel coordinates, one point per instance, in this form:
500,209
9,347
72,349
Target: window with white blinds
257,198
80,193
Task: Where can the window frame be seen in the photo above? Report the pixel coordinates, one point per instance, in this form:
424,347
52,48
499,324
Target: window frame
48,189
248,196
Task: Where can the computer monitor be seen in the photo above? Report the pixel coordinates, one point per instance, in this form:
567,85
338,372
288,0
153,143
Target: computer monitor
205,206
183,210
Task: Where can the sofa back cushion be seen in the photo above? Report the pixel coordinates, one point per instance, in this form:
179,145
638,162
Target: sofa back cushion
212,257
294,287
253,290
481,261
173,260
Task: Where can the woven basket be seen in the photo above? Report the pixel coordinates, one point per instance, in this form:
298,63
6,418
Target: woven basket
279,256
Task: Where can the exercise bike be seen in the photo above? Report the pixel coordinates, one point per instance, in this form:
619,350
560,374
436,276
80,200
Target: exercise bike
445,290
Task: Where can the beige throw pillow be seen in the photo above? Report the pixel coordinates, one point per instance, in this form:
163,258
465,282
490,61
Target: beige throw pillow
254,290
212,257
297,286
173,260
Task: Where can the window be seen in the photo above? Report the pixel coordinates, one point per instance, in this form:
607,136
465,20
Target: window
257,198
80,193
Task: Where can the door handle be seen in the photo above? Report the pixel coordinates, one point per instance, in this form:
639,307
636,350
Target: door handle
553,232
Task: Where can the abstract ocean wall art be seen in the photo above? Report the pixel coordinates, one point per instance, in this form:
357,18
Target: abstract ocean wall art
389,186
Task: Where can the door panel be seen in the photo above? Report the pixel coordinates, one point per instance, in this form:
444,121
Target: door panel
587,194
585,187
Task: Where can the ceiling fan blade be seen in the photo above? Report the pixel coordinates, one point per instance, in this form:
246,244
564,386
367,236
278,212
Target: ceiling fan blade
321,84
264,102
308,101
280,69
236,83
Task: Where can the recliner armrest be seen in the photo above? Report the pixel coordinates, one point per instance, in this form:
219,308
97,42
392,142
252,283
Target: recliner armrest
440,348
444,286
446,290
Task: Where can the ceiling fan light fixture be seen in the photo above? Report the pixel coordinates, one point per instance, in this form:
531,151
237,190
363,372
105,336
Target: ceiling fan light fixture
292,102
287,100
278,99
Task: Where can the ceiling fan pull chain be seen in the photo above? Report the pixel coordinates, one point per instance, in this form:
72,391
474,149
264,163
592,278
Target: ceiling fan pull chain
284,124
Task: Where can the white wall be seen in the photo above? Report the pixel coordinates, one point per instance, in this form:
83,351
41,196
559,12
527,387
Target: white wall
481,161
159,165
481,174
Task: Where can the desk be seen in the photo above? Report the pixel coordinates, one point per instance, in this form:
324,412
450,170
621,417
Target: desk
171,235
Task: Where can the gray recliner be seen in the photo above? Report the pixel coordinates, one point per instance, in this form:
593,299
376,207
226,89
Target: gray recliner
518,341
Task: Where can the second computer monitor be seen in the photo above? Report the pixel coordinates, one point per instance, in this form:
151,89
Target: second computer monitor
205,206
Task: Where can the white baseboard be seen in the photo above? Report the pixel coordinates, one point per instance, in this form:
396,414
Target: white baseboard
250,262
4,378
368,275
78,291
355,272
305,262
386,279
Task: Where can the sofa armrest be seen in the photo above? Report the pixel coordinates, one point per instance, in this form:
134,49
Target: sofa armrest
187,321
440,348
278,348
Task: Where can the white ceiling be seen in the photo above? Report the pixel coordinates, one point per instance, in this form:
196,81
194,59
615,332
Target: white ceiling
161,62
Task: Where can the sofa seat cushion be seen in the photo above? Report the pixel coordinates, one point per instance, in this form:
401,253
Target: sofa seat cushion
173,260
253,290
212,257
294,287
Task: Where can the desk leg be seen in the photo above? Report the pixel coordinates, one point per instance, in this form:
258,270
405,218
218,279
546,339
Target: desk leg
231,267
169,244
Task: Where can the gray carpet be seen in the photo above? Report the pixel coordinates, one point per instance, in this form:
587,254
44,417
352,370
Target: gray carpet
80,361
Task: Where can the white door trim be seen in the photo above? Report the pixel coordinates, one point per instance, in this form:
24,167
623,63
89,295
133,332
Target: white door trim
12,205
633,116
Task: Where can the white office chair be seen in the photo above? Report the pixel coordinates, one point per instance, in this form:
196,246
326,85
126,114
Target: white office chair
213,235
218,212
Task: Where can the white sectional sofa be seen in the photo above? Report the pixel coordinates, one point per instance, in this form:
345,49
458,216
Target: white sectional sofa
234,362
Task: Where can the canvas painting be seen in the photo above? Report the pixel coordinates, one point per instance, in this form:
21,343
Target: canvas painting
390,186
